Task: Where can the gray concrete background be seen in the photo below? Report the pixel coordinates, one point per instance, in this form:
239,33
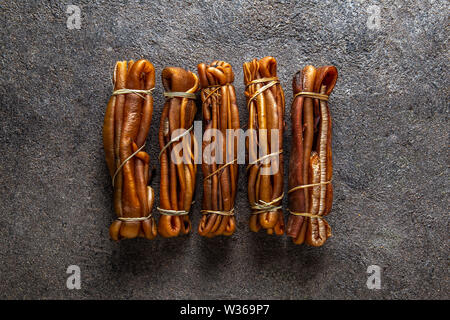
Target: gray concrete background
390,146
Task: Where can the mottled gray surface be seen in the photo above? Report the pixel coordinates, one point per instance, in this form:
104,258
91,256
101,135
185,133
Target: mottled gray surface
390,140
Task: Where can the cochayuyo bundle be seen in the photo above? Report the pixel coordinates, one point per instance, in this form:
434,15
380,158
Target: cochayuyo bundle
177,143
220,174
310,164
127,121
126,126
265,104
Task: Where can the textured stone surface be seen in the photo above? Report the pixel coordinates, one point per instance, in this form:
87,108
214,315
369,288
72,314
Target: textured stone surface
390,112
